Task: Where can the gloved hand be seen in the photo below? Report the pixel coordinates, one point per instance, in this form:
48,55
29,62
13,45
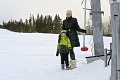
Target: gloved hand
69,48
57,53
84,31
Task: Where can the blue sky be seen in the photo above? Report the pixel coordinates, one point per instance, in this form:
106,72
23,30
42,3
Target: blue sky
17,9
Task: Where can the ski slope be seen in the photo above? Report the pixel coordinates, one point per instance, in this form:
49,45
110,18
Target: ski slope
31,56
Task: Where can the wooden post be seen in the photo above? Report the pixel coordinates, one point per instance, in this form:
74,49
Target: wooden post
97,27
114,25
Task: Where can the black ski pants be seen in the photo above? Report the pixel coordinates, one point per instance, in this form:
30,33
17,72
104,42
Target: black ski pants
64,58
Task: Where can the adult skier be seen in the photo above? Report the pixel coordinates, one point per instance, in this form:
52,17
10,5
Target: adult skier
70,24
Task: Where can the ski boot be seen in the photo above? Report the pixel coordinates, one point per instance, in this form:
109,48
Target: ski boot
62,66
72,64
67,67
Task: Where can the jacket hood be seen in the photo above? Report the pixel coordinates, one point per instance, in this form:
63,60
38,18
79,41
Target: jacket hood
63,31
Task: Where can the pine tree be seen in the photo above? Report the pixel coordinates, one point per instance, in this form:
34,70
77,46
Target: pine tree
44,30
57,24
37,23
30,23
49,25
41,23
26,26
34,24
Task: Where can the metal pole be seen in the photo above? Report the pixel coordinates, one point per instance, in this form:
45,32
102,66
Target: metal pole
110,53
97,27
114,24
105,53
118,41
84,24
110,46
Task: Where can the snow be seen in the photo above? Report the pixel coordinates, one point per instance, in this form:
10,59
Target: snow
31,56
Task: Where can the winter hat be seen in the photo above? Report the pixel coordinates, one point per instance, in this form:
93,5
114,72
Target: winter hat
69,11
63,31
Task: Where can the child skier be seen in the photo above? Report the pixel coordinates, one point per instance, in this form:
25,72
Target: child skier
63,48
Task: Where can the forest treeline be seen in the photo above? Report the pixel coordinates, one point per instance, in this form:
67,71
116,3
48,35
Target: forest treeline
43,24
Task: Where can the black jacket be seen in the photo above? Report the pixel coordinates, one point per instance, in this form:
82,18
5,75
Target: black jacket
71,25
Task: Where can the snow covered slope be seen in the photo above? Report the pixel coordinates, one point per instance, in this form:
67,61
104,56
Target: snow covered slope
31,56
